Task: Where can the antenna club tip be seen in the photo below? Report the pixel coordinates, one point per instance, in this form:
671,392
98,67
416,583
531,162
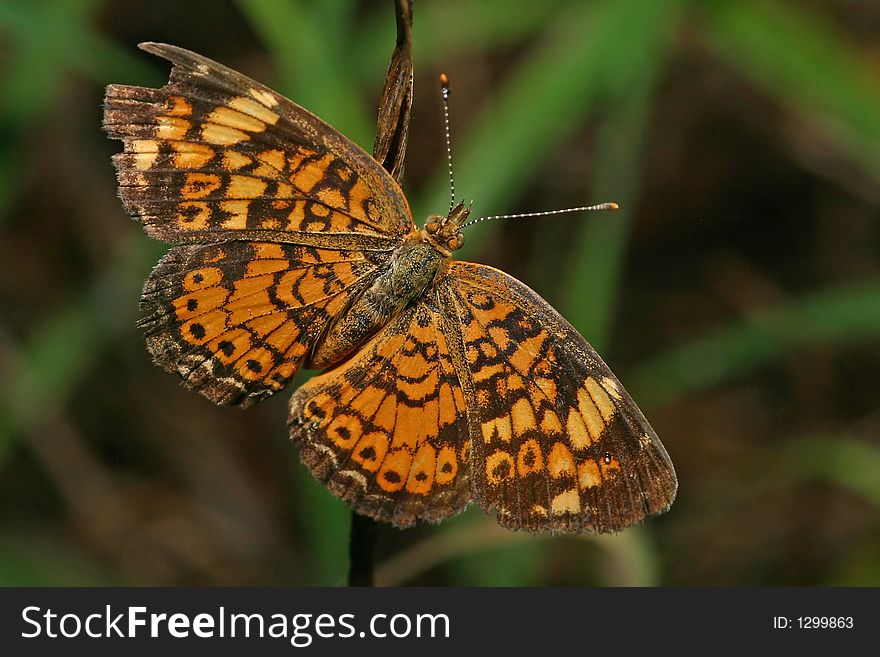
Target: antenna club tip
444,82
613,206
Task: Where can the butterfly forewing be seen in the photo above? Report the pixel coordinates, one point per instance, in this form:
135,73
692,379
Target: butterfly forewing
556,441
215,155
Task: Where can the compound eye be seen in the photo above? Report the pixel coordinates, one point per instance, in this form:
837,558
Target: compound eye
432,227
455,242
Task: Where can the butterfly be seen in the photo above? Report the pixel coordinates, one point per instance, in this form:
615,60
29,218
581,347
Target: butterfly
445,382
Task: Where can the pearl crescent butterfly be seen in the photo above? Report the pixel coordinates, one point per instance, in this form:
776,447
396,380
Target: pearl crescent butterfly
444,382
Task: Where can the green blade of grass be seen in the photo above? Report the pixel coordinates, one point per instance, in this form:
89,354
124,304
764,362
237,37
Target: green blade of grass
47,41
325,521
806,64
542,103
49,365
830,317
847,463
312,66
440,35
628,556
35,559
597,264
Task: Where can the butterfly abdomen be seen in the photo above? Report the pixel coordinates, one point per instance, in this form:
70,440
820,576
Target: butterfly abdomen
411,269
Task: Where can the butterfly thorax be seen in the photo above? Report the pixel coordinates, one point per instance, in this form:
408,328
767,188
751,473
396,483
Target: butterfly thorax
412,268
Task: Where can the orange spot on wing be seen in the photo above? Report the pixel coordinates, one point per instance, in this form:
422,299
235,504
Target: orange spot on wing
172,127
178,106
358,193
230,345
263,96
282,337
497,429
256,363
547,387
339,222
560,461
421,474
588,475
566,502
488,371
523,417
265,266
499,467
529,458
447,465
409,428
500,337
233,160
448,408
332,197
259,110
199,279
199,185
193,215
370,451
274,158
237,212
577,431
308,176
144,153
319,210
203,328
199,302
395,468
268,250
222,135
266,324
245,187
528,352
246,287
190,155
299,156
226,116
593,420
297,216
386,414
345,430
600,398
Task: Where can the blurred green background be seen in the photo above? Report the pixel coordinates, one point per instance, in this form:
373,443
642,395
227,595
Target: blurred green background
736,293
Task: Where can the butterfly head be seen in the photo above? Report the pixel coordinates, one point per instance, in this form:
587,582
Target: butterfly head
445,232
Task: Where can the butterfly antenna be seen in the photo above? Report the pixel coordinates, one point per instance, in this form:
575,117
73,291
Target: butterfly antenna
586,208
444,91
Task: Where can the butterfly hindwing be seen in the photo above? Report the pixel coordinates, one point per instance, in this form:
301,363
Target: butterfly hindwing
557,443
387,429
236,320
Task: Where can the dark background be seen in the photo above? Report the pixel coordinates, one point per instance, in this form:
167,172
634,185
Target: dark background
736,293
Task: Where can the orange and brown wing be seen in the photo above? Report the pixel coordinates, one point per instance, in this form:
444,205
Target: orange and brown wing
387,429
236,320
556,442
214,155
284,221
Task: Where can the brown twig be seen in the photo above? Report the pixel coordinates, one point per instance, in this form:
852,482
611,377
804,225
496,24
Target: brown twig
389,149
